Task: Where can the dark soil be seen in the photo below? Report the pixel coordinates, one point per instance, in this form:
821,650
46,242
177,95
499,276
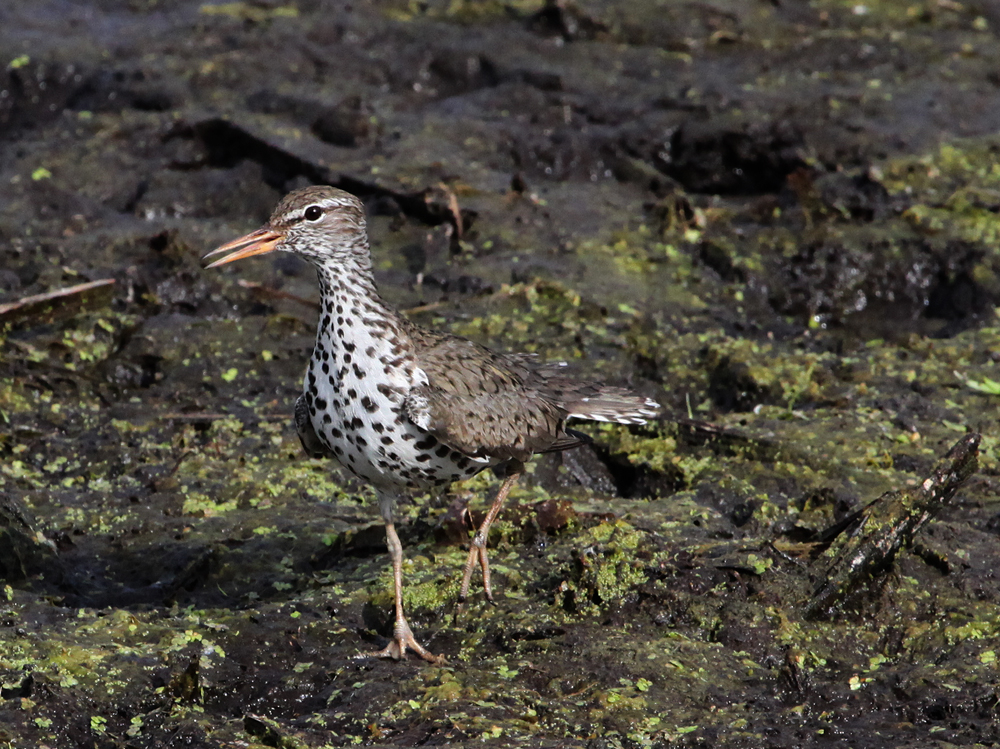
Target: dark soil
779,219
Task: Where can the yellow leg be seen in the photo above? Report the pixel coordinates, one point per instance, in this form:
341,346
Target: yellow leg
402,635
477,550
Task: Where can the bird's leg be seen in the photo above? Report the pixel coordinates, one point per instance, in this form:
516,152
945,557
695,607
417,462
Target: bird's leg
477,550
402,635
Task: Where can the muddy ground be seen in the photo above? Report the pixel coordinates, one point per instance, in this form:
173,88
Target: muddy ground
780,219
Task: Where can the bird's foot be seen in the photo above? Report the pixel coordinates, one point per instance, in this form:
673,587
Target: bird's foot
403,639
477,553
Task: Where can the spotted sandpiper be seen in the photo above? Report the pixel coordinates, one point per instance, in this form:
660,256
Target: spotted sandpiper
406,408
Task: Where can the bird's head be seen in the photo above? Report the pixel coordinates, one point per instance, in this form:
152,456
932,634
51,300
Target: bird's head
321,224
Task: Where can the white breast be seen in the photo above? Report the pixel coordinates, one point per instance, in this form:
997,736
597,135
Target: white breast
359,411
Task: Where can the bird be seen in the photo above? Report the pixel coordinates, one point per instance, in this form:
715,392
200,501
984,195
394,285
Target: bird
407,408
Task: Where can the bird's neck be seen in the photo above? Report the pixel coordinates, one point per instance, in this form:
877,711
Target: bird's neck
351,307
349,276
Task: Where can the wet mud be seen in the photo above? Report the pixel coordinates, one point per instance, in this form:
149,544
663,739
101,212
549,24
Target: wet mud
778,219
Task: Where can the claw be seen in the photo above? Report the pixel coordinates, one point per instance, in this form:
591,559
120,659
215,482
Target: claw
402,639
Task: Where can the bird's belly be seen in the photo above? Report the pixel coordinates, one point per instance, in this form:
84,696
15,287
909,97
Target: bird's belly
367,429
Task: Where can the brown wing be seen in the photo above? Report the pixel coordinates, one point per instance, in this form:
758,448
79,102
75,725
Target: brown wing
485,404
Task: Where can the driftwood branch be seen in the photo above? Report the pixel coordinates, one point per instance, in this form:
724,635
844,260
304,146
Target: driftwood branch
879,530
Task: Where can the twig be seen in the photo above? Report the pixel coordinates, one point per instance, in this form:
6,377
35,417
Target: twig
216,416
60,303
423,308
277,293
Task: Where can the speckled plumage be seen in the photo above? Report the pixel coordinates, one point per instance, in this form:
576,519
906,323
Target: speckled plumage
404,407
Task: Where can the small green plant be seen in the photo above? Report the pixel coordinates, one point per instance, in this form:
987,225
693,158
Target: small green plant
988,386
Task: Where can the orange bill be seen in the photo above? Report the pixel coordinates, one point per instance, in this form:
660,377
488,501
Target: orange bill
258,242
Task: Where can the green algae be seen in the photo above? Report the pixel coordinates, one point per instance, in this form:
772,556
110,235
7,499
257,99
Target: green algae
608,569
951,189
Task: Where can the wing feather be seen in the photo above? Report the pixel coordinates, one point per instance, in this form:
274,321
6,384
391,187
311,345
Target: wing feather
483,404
499,407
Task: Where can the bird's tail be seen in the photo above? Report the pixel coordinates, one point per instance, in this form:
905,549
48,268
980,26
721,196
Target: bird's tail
614,405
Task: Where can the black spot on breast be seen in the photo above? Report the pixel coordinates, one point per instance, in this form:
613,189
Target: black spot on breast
361,441
377,426
356,422
426,443
352,394
336,433
442,451
349,347
347,358
338,450
370,351
368,404
340,321
386,440
358,371
321,403
462,462
326,368
326,321
327,419
407,436
423,457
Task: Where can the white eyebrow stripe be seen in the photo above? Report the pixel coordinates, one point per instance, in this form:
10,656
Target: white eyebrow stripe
325,205
328,204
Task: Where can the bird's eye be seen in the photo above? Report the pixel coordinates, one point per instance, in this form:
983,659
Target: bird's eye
313,213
